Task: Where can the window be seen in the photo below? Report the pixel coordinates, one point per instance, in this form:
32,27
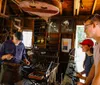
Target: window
27,38
79,55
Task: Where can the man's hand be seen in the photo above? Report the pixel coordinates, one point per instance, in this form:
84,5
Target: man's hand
79,75
26,62
7,57
79,83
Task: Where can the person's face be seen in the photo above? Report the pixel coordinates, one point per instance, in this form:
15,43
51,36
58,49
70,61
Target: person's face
89,29
85,48
15,40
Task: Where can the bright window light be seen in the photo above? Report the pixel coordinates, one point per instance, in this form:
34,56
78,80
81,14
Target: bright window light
79,55
27,38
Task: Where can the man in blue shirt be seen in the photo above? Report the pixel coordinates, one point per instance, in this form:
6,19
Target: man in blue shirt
20,48
12,53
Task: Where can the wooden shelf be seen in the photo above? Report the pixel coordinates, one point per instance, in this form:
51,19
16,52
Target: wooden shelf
40,33
41,45
52,39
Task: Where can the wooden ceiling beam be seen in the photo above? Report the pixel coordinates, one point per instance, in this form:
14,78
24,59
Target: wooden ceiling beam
94,6
3,9
0,5
3,15
17,3
76,7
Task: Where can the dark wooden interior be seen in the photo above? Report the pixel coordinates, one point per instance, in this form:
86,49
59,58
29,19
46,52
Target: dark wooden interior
75,11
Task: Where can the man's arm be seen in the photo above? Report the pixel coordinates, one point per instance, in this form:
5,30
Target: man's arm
90,76
24,57
7,57
3,55
96,80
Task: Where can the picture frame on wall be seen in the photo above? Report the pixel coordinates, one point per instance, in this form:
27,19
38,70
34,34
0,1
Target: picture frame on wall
53,26
66,45
67,25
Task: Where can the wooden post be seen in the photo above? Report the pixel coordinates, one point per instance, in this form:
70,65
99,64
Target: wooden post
0,5
94,6
3,8
5,4
76,7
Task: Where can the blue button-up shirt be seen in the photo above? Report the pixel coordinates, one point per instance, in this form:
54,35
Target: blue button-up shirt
19,53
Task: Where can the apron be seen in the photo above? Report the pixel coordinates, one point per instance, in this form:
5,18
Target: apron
10,73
